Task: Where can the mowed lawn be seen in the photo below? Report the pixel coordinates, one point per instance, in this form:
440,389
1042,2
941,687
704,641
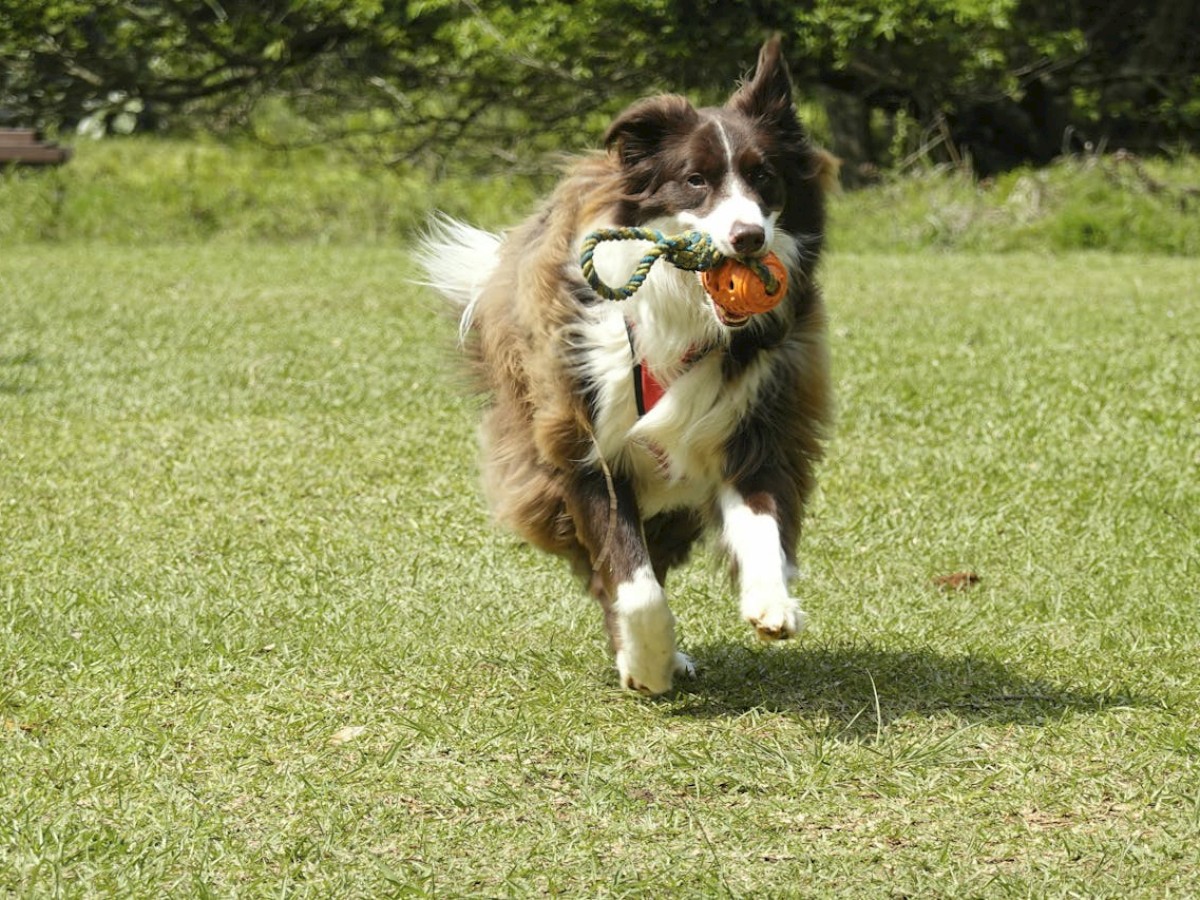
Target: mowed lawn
258,637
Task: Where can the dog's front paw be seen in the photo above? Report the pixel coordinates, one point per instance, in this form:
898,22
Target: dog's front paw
644,635
648,674
684,665
774,620
652,673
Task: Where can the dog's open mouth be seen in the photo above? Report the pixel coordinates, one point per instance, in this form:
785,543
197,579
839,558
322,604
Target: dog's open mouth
742,287
726,318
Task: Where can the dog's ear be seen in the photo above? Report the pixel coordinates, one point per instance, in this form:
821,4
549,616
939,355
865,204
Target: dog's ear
639,132
767,95
828,170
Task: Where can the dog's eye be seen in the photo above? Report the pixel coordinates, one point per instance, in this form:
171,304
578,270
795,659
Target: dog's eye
760,176
696,180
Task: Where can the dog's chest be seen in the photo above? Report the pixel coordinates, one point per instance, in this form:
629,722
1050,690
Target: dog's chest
676,451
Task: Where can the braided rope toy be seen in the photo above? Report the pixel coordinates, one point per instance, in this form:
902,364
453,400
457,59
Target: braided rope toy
726,278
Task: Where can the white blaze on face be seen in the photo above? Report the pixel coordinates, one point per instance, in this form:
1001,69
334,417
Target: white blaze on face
734,205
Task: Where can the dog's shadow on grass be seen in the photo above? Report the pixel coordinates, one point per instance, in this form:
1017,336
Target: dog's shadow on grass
860,689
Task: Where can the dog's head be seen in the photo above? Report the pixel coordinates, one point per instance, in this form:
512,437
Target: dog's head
743,172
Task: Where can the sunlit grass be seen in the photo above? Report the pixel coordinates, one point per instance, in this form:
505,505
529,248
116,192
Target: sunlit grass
154,191
238,515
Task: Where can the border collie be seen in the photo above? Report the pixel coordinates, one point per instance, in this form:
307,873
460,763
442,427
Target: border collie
616,433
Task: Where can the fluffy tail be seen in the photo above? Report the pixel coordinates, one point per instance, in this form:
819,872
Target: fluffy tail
458,260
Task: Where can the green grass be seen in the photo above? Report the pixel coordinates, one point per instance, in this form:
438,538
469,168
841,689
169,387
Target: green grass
159,190
238,515
1117,203
155,190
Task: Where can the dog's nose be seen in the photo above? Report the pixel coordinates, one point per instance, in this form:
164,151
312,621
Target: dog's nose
747,238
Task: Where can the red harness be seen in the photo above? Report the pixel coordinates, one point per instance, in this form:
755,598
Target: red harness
647,389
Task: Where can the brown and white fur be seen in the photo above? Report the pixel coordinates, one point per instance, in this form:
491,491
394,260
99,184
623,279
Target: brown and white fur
568,464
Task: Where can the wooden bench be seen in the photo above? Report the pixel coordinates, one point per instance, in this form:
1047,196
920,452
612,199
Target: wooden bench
22,146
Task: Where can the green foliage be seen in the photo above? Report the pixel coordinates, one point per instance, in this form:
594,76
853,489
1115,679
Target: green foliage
144,190
931,49
258,638
1117,203
1008,80
158,190
415,76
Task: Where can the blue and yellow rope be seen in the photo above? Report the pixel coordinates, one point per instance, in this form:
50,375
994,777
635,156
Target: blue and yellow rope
691,250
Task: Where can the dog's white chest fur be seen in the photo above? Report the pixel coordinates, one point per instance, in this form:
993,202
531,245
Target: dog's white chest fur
676,451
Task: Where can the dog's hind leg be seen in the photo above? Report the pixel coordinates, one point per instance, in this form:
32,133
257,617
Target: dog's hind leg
640,624
670,537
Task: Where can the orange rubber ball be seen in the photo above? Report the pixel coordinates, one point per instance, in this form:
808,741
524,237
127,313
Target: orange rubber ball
736,288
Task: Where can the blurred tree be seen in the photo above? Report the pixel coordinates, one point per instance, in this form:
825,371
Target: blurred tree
995,81
1000,82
